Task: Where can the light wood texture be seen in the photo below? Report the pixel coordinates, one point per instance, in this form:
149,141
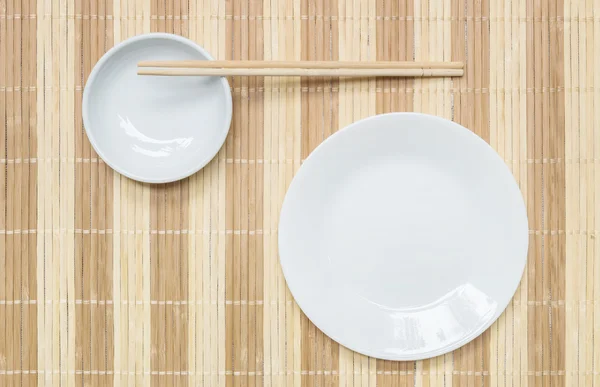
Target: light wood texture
304,72
128,215
105,281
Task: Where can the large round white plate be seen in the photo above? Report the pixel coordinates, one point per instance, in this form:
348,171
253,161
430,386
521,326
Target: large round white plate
155,129
403,236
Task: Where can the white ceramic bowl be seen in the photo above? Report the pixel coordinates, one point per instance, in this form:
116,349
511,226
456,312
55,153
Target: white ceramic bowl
155,129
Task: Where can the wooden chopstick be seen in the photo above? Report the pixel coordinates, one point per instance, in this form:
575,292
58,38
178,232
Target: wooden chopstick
317,64
301,68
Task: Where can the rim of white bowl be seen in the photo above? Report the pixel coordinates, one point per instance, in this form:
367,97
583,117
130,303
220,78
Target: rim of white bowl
92,77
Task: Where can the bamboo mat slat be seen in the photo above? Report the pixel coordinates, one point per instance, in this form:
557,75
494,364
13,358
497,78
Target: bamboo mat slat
105,281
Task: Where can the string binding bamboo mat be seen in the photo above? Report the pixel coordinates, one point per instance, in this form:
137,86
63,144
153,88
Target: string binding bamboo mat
104,281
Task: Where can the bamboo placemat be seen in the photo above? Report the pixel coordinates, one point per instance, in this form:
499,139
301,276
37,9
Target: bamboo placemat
106,281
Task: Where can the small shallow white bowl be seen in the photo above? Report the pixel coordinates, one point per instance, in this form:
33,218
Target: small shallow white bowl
403,236
155,129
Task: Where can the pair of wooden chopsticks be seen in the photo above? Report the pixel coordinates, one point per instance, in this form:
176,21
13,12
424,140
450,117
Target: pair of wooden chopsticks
301,68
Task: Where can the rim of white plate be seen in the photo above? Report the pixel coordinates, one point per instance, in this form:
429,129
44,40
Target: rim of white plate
92,78
509,177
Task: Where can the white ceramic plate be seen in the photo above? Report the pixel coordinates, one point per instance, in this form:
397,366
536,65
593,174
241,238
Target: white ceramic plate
155,129
403,236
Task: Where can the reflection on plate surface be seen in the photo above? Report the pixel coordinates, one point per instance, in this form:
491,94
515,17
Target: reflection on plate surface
463,310
162,151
